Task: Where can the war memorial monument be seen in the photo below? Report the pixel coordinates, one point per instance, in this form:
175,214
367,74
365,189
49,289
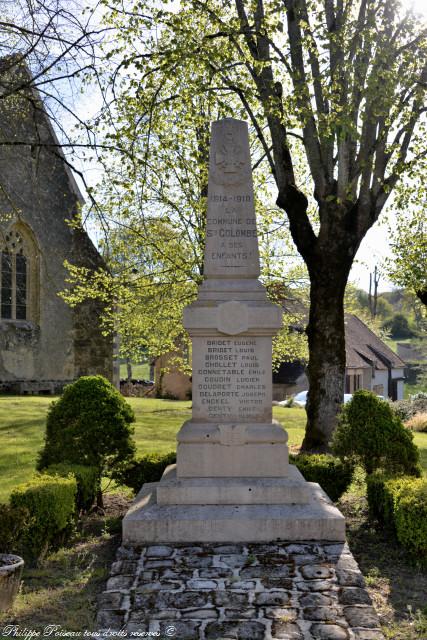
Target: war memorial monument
232,480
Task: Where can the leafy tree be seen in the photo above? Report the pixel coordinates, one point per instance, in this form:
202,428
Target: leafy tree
334,93
398,326
408,267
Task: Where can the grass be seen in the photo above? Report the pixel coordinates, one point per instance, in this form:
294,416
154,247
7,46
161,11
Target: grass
139,371
22,424
64,588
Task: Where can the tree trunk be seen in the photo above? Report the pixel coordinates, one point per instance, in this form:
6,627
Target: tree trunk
326,368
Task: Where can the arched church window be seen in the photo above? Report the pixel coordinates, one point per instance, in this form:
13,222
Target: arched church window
16,255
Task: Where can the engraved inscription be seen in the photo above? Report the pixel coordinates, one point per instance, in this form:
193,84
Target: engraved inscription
232,380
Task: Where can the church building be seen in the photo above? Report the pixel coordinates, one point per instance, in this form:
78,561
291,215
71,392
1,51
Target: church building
44,343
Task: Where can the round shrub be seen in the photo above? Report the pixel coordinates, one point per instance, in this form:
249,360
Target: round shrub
333,475
89,425
369,433
149,468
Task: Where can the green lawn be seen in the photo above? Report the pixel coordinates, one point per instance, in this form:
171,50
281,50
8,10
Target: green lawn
139,371
22,421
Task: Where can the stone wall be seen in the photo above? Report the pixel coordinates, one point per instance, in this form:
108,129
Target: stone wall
38,198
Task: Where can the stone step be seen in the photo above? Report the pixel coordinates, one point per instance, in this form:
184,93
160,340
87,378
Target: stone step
290,490
149,522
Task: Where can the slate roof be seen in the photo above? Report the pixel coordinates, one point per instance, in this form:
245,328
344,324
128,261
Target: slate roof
365,349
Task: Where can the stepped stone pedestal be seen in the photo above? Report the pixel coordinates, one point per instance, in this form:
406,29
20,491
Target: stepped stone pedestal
232,480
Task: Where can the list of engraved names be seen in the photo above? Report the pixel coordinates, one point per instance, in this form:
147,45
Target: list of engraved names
231,379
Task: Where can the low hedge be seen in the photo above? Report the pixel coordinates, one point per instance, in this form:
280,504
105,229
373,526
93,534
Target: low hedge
333,474
400,504
13,522
50,502
149,468
88,483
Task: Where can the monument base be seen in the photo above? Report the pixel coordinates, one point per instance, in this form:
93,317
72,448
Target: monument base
149,521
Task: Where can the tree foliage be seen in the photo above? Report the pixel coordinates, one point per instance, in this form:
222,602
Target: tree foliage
408,265
334,94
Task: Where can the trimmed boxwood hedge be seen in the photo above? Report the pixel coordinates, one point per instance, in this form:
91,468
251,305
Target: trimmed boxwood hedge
50,502
400,504
87,479
333,475
149,468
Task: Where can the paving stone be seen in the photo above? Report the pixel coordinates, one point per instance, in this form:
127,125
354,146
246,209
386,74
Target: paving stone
137,623
368,634
202,584
259,549
277,583
350,578
120,583
336,550
180,630
235,631
158,551
240,614
354,595
327,614
314,585
328,632
164,585
361,617
228,549
316,572
178,574
295,549
215,572
110,600
246,585
158,564
200,614
109,619
282,613
136,627
283,571
231,599
274,598
149,575
315,600
188,551
234,560
196,561
305,559
169,600
286,631
182,592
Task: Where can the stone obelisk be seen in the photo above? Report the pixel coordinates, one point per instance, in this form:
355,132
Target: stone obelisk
232,480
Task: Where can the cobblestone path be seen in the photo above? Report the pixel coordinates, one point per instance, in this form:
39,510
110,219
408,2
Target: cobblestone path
301,591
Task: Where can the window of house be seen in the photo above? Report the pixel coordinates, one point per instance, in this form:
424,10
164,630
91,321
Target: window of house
14,277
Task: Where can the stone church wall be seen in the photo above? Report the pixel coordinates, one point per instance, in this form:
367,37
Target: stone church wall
52,344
